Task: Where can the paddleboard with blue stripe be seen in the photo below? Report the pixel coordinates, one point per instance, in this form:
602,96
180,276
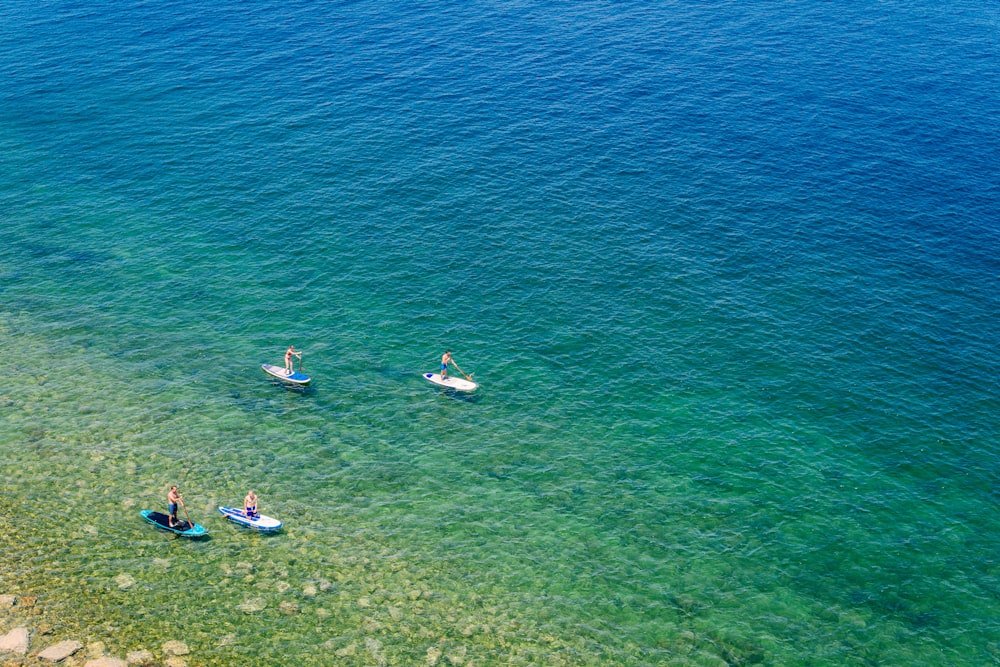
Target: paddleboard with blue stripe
259,522
295,377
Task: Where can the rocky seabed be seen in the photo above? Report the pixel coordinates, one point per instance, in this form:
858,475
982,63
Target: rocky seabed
35,645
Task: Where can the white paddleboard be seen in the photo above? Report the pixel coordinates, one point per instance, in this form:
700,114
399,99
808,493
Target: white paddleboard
259,522
294,377
457,384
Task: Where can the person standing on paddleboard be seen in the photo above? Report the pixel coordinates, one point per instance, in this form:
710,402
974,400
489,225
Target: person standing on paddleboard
445,360
173,499
289,365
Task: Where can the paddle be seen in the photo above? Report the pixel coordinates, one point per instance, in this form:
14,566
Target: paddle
190,522
461,371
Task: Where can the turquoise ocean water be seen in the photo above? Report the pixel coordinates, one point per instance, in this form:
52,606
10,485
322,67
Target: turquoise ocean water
726,272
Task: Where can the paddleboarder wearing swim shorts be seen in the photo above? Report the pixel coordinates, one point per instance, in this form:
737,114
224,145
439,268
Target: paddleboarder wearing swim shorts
173,499
250,505
445,360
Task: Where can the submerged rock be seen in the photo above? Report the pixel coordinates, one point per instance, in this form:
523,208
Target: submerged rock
457,656
105,661
375,650
347,651
7,601
125,581
60,651
142,658
252,606
174,647
15,641
371,625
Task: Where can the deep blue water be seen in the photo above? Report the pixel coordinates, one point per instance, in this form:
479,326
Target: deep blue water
726,274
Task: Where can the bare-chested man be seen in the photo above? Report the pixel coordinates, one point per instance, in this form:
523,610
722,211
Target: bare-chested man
250,505
173,499
445,360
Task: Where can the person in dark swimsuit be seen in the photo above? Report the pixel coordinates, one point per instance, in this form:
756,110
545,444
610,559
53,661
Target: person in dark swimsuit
445,360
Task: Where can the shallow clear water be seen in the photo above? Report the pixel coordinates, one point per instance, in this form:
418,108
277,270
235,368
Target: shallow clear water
726,275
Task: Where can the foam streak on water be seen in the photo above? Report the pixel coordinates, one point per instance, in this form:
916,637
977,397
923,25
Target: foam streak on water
726,275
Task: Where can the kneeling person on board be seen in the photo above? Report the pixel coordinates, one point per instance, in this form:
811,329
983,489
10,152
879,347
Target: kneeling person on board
173,499
250,505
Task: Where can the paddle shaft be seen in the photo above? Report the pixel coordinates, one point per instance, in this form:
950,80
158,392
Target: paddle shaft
461,371
190,522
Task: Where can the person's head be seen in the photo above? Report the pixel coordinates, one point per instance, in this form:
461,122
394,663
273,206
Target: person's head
173,488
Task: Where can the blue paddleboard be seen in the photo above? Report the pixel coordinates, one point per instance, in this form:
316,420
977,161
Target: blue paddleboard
181,528
295,377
